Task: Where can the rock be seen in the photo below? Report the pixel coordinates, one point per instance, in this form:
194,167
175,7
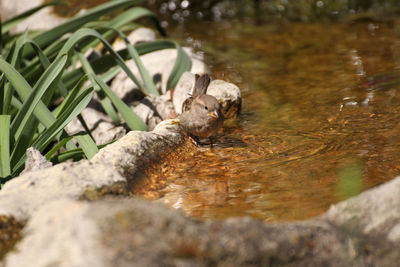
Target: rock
127,154
21,197
35,161
227,94
147,112
102,128
137,36
42,20
183,90
159,65
139,233
62,234
154,109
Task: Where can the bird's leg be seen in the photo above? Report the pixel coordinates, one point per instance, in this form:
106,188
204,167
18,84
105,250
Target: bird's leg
211,142
194,139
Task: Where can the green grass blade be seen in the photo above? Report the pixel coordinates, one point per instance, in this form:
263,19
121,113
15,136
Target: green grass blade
24,89
105,102
84,33
71,96
57,147
76,22
49,134
88,145
102,64
5,169
130,117
48,77
121,20
147,80
70,112
182,63
75,154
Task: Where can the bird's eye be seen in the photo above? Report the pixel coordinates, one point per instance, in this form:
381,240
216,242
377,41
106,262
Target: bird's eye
206,108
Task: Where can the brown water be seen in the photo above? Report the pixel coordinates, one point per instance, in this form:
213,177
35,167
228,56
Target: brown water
321,105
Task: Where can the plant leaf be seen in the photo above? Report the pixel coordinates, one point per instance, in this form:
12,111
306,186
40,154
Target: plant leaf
5,169
48,77
88,145
182,63
24,89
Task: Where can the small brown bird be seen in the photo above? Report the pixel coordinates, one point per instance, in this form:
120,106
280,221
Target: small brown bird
201,113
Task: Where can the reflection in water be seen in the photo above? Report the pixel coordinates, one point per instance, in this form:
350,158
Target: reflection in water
316,98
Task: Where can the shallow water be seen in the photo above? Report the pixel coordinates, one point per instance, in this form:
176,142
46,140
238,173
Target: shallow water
320,120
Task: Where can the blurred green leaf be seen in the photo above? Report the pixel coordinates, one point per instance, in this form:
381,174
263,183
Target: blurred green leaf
5,169
182,63
350,180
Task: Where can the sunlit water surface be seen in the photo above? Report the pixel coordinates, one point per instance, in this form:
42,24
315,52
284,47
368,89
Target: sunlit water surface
320,104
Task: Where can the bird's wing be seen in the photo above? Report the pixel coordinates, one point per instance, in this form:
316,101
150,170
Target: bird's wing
201,85
187,104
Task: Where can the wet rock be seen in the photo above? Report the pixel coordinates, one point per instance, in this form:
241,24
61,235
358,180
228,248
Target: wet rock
137,36
227,94
35,161
44,19
159,65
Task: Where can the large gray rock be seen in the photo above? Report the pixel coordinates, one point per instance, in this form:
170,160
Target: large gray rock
362,231
139,233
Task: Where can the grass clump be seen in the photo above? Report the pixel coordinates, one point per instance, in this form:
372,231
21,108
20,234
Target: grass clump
37,69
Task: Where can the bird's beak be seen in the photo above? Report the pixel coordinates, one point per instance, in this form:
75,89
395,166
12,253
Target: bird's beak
214,114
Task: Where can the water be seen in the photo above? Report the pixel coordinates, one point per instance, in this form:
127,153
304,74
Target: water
321,108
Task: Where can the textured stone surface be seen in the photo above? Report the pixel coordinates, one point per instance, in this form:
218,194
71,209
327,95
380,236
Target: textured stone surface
154,109
35,161
23,196
139,233
135,148
102,128
59,234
